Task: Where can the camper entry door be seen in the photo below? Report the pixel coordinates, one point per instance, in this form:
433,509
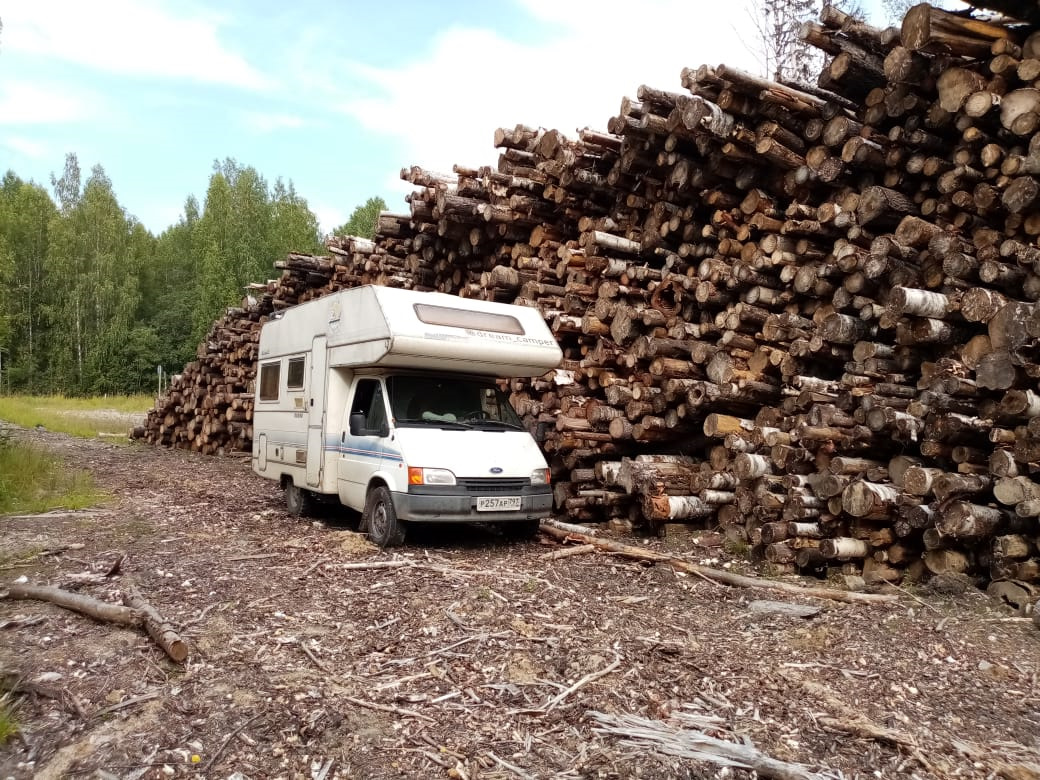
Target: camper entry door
316,411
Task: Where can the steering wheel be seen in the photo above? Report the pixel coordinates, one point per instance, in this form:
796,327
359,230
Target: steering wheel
479,414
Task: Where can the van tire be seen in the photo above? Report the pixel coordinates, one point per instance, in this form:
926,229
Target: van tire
380,519
298,502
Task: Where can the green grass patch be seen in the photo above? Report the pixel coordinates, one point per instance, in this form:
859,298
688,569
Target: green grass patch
8,722
738,548
84,417
33,481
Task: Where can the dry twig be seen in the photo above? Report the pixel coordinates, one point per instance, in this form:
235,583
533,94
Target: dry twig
227,741
567,552
568,691
371,705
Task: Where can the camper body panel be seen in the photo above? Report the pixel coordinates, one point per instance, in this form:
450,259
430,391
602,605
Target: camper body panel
290,434
392,328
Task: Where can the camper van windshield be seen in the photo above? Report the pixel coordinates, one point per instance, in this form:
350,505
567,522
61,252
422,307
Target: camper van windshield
429,400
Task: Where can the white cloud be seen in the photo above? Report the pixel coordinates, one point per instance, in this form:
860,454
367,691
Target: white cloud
131,37
27,147
22,103
445,107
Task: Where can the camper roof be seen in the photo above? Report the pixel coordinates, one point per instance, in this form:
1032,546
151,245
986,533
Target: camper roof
391,327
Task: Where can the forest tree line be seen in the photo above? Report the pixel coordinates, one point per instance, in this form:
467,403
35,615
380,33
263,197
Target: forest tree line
93,302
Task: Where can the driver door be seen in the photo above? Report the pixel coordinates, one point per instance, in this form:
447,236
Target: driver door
362,452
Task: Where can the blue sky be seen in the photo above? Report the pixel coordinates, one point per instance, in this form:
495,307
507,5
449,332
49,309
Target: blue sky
336,96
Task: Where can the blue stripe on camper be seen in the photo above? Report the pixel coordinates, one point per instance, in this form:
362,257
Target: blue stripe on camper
353,448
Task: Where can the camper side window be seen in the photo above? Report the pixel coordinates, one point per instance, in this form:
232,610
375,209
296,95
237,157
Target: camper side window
294,379
368,400
269,375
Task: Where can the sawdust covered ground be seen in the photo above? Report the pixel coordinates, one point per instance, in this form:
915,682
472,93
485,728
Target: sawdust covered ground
468,655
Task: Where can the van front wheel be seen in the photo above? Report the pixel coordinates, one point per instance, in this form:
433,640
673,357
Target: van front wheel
298,502
381,520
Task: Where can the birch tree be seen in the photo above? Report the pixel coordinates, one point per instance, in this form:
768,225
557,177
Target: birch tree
782,53
26,211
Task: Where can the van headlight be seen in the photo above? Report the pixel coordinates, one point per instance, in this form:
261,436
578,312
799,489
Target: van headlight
540,477
420,476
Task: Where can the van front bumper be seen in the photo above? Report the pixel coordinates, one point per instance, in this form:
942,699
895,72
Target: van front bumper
438,505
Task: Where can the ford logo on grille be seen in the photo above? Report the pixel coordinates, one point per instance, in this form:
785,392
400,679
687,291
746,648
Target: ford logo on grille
496,470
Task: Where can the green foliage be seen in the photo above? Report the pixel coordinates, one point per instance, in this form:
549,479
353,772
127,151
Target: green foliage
90,314
33,481
26,211
168,285
294,228
93,302
363,219
8,718
243,230
738,548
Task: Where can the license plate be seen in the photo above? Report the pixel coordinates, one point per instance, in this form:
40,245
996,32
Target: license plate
498,503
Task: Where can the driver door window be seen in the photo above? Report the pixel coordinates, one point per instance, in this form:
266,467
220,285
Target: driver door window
368,400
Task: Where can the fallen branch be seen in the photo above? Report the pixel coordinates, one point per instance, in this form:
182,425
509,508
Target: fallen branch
132,701
317,661
584,681
161,632
227,741
511,767
570,528
715,575
376,565
675,740
135,612
371,705
567,552
85,605
855,723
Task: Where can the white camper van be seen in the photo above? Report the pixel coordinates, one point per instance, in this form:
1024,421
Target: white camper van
387,399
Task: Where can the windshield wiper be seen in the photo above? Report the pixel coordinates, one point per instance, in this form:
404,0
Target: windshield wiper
496,424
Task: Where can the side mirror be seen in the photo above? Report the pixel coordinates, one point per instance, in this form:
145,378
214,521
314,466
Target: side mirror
357,424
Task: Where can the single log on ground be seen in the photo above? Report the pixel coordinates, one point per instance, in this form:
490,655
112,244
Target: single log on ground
137,613
715,575
161,632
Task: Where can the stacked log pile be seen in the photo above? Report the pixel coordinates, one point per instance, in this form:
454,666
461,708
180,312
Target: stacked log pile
807,315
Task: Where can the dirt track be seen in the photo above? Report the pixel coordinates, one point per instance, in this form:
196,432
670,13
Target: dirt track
472,657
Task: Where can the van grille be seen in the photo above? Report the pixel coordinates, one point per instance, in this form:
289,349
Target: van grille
494,484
